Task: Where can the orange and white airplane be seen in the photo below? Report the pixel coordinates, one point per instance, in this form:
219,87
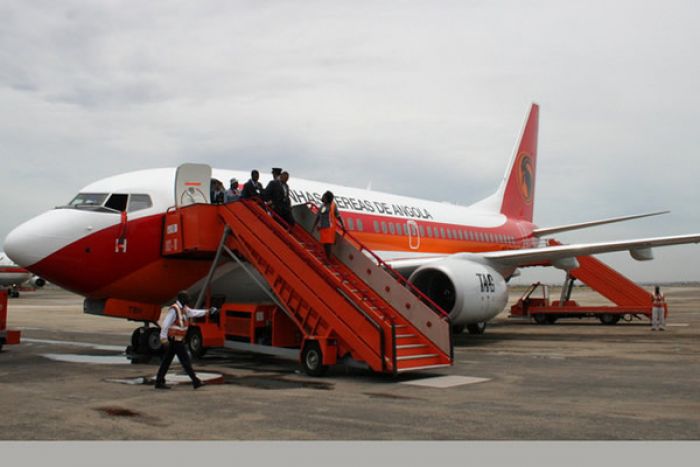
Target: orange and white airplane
106,243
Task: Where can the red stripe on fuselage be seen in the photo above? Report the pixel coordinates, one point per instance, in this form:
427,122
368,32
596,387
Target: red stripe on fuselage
91,267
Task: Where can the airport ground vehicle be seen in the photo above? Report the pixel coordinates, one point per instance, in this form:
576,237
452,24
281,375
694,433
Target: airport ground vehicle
351,307
7,336
628,300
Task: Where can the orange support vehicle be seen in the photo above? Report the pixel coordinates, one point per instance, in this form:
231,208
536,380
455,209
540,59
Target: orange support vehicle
352,307
7,336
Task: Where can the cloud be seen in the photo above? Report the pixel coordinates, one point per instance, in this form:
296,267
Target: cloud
421,99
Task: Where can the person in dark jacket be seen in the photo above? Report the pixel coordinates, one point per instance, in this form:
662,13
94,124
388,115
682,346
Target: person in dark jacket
277,195
252,188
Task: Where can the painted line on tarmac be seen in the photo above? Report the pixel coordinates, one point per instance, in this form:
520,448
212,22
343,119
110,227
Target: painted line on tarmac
98,359
443,382
119,348
677,325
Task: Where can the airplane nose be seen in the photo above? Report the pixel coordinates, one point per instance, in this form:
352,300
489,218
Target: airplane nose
36,239
21,245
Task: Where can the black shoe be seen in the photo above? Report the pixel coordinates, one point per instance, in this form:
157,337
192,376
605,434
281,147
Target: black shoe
197,384
161,386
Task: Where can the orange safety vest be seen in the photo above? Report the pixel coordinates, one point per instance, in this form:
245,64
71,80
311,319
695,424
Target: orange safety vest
178,330
327,234
657,300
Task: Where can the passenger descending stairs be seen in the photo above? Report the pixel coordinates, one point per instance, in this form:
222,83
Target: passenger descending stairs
390,328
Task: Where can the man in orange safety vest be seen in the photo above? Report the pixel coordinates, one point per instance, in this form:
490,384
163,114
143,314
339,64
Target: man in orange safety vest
172,336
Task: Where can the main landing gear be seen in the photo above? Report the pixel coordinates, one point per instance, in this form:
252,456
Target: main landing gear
145,343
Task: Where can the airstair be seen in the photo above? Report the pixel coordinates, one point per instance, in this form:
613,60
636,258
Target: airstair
349,307
629,299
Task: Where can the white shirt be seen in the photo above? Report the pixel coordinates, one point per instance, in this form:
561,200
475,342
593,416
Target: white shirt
172,316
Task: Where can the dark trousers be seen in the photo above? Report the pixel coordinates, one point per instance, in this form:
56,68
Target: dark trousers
175,347
286,215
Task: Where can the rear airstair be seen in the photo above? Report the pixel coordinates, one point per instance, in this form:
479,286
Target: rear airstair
629,299
352,306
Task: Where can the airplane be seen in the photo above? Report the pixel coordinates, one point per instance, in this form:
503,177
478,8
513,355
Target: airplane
13,277
106,242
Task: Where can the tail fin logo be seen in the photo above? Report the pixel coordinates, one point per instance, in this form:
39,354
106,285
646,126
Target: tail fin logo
526,173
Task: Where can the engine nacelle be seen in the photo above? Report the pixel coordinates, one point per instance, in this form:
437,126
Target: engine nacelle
469,291
37,282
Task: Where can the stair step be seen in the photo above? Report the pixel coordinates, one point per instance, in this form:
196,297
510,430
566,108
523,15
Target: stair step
423,367
416,357
410,346
405,336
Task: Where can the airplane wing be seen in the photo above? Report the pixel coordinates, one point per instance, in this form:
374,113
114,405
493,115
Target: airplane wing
541,232
639,249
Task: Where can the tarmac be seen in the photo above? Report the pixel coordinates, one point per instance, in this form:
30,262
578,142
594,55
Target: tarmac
575,380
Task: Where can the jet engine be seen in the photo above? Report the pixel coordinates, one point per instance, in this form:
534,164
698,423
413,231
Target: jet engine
471,292
37,282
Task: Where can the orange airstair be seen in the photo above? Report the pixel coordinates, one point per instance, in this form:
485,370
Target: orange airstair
628,298
349,307
7,336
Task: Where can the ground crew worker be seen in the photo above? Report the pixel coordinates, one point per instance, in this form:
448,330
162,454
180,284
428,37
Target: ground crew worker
233,193
252,188
172,336
658,318
325,222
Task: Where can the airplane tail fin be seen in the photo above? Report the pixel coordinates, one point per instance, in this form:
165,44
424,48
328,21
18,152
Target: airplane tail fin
517,190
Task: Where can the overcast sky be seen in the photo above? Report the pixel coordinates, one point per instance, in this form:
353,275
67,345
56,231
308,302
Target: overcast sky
420,98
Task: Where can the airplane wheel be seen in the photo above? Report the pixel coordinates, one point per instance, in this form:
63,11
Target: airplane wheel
2,342
551,319
312,359
195,343
457,329
540,318
139,340
153,341
14,294
609,319
476,328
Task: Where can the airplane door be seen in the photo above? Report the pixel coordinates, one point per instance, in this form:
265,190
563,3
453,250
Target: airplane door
192,184
413,235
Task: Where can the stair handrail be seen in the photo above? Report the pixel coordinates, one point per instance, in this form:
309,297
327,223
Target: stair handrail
393,272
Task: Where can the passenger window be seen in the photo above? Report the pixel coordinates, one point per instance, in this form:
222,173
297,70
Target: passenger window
449,234
429,230
139,202
117,202
398,229
383,227
442,232
376,226
436,231
421,230
351,224
459,233
359,225
391,228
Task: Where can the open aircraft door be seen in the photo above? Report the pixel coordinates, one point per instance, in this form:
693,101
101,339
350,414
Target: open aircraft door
192,184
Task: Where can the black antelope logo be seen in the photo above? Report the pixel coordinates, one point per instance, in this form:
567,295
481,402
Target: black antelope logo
526,177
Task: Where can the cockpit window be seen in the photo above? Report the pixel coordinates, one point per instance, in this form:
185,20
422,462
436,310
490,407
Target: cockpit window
138,202
88,200
117,202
